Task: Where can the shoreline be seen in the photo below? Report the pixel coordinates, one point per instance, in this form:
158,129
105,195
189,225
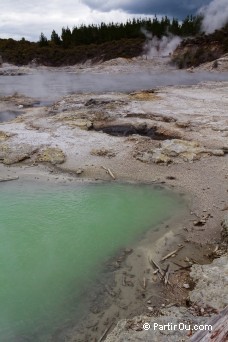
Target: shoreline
152,245
49,142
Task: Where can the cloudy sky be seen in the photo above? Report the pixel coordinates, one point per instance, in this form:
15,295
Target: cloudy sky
26,18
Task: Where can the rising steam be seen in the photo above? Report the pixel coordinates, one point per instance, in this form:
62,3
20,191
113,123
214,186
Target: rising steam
164,46
215,15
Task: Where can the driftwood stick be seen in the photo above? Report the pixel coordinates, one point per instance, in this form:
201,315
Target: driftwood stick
153,263
144,282
162,273
105,333
166,275
181,267
105,168
8,179
216,249
219,331
171,253
109,172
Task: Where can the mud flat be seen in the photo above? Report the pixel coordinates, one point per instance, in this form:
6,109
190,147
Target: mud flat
175,136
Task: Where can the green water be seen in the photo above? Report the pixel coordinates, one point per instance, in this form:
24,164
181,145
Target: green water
54,241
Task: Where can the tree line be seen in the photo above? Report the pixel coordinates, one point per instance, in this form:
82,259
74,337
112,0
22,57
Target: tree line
131,29
107,41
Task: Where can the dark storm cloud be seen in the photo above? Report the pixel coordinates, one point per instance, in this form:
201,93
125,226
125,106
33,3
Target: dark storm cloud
176,8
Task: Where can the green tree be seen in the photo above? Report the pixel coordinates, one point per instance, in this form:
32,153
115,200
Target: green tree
66,37
43,40
55,39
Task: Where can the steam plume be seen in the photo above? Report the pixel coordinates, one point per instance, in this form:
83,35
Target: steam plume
215,15
161,47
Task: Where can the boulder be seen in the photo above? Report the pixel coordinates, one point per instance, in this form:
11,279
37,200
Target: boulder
15,154
51,155
176,150
132,329
211,284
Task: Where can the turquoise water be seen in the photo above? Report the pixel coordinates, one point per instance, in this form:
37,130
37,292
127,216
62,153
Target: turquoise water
54,241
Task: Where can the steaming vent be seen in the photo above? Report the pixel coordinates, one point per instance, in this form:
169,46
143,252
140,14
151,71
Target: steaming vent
126,130
163,47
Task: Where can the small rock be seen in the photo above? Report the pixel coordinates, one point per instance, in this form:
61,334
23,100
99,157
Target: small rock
79,171
102,152
199,222
182,124
171,177
186,286
128,251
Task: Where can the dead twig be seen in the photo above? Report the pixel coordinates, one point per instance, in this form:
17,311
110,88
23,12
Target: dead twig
109,172
153,264
105,333
172,253
8,179
144,283
166,275
181,266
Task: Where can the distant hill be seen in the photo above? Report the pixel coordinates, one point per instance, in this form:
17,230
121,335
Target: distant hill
96,42
108,41
18,53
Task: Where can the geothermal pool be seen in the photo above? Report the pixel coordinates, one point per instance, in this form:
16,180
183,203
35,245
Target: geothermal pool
51,85
54,241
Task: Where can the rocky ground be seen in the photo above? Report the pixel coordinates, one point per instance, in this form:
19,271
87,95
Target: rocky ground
113,66
219,65
176,136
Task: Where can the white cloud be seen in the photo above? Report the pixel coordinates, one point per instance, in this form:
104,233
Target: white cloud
26,18
23,18
29,19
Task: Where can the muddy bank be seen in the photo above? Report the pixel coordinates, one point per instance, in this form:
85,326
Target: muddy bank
67,141
180,323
